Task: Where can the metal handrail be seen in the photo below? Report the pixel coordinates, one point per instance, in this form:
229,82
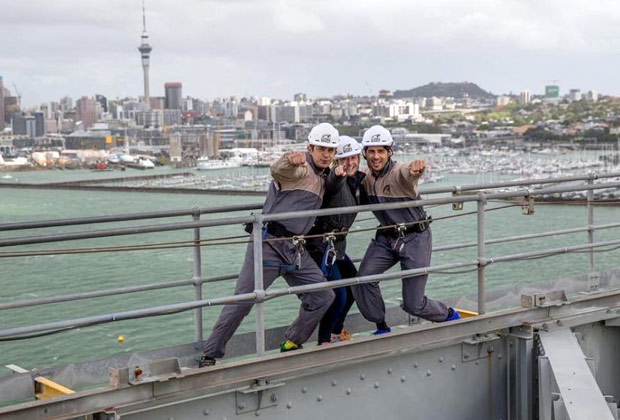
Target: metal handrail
126,217
232,276
255,206
259,295
294,215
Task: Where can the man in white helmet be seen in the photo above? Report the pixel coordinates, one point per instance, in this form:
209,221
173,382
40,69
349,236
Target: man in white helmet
298,184
342,190
404,235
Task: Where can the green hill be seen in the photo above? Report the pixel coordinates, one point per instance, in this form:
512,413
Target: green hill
455,90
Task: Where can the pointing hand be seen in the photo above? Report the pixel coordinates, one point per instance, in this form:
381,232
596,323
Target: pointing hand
297,159
339,170
417,167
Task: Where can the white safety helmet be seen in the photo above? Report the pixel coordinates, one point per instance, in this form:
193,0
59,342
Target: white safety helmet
377,136
348,146
324,135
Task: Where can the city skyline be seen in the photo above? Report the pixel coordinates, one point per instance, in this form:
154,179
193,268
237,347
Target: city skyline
276,49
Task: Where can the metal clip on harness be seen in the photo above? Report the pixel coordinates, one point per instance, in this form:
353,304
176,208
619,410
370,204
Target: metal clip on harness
299,242
401,229
330,252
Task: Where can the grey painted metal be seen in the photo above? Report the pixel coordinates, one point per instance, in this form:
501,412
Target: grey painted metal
545,389
581,394
482,201
181,283
111,292
259,291
364,353
247,297
240,207
197,260
523,378
289,215
527,236
125,217
592,278
506,184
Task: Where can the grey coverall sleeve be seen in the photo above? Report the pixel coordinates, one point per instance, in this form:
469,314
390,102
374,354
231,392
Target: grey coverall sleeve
283,170
408,179
334,183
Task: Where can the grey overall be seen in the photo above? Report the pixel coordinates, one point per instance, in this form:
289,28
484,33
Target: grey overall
396,184
294,188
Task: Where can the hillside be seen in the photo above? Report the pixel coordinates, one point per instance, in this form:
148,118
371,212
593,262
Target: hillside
455,90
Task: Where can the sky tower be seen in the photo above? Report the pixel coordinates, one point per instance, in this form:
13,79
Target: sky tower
145,51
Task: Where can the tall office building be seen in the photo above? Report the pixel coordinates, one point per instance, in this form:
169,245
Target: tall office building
103,101
174,95
86,111
1,105
145,51
524,97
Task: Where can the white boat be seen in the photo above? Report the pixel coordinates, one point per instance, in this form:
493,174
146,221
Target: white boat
206,164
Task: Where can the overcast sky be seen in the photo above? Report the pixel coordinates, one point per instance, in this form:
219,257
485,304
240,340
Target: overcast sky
321,47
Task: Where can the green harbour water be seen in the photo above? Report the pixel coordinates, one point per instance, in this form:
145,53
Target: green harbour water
41,276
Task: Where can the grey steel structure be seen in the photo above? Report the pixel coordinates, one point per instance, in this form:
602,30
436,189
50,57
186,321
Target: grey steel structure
550,358
145,52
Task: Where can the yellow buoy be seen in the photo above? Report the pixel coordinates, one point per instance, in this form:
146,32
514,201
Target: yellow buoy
120,338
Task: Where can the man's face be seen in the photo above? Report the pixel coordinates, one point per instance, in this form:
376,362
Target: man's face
350,164
377,157
322,156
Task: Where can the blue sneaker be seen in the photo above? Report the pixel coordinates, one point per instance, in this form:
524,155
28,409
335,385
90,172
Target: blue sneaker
380,331
453,315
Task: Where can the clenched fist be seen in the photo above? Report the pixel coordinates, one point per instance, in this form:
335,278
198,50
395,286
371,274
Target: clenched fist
339,171
297,159
417,167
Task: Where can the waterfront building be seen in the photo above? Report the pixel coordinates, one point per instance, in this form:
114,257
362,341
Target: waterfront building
149,118
171,117
174,95
39,124
86,111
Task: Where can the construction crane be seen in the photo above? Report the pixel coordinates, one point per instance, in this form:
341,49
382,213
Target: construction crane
19,95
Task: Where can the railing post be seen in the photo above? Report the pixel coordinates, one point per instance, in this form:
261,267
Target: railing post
197,278
257,245
593,277
482,200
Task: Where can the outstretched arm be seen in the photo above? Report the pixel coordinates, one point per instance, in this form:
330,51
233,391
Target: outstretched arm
336,179
290,167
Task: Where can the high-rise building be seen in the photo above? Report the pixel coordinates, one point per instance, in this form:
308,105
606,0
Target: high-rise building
39,124
552,91
66,103
592,96
174,95
1,105
145,53
524,97
103,101
300,97
86,111
574,95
